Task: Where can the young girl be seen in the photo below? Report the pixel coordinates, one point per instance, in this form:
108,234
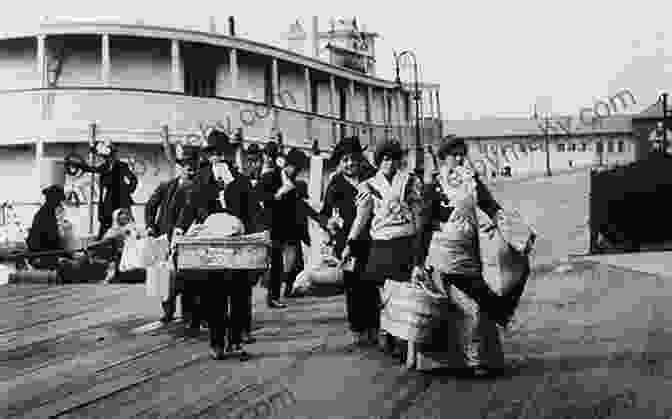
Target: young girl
123,227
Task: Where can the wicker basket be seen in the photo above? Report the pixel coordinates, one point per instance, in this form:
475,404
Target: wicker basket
412,313
246,252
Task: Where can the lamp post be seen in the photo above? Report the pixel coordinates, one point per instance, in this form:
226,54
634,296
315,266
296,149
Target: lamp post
418,135
663,125
546,130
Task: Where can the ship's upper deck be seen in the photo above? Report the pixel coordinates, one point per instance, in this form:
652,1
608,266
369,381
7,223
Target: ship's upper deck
112,28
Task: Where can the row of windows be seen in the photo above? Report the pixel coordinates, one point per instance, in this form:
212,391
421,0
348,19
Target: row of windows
612,146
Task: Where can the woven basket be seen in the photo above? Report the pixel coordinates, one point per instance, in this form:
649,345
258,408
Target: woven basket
246,252
413,313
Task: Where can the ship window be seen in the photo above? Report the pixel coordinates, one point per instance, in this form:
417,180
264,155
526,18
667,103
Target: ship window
314,95
200,71
343,103
573,147
610,147
561,147
389,110
621,146
584,147
268,84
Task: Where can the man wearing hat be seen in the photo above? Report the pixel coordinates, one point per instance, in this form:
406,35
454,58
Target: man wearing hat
339,211
284,209
165,214
46,235
222,188
117,184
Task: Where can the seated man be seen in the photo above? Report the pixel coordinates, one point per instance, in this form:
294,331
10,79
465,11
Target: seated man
46,235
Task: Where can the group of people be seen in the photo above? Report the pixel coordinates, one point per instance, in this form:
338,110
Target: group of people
265,195
392,224
399,226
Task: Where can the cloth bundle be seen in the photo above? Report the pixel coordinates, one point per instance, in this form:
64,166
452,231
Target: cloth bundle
325,270
218,225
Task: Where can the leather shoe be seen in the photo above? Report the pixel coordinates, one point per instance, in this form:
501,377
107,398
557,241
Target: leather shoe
275,304
218,354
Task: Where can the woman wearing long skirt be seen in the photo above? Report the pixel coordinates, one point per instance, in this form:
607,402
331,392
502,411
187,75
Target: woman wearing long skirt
454,256
390,204
361,296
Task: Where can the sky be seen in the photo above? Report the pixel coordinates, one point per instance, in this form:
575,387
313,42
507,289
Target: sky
492,59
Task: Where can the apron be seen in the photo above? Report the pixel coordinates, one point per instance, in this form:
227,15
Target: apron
454,248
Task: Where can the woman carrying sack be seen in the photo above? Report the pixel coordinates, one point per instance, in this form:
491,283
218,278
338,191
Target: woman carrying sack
454,256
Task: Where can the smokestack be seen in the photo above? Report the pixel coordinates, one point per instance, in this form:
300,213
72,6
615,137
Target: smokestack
232,26
316,37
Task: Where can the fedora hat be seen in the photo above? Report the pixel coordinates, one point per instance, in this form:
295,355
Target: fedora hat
348,145
297,158
218,142
449,145
54,193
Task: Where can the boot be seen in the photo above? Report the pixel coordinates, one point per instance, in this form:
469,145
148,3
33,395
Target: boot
168,311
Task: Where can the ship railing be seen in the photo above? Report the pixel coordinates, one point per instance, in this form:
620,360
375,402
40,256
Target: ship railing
63,114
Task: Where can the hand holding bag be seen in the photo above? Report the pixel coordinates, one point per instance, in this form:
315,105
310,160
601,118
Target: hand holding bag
159,279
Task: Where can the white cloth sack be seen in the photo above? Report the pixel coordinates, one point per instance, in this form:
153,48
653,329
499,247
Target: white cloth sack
218,225
159,276
137,254
5,271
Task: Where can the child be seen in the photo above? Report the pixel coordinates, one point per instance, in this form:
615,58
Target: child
123,227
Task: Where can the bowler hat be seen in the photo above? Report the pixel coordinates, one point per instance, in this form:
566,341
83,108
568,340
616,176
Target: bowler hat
348,145
297,158
218,142
54,193
449,145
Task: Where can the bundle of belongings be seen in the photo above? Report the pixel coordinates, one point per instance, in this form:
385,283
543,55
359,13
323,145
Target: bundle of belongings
324,275
218,225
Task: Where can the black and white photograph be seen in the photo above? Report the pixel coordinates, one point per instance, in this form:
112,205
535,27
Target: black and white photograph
335,210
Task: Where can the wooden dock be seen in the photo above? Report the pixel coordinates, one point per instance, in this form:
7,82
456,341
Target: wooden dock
593,336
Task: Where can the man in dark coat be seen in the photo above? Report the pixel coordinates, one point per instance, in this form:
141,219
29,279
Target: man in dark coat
45,236
284,211
117,184
222,188
165,214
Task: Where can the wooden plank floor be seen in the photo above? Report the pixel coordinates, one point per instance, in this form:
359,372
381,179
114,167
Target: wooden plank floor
97,351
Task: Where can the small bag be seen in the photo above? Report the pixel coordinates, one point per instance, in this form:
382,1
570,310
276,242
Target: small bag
159,278
134,254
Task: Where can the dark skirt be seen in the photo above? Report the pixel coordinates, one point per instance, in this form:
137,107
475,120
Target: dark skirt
390,259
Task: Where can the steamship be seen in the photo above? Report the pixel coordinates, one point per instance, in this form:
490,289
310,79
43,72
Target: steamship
136,85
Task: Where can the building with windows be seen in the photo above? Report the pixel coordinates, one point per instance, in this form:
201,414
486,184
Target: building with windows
520,144
139,84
